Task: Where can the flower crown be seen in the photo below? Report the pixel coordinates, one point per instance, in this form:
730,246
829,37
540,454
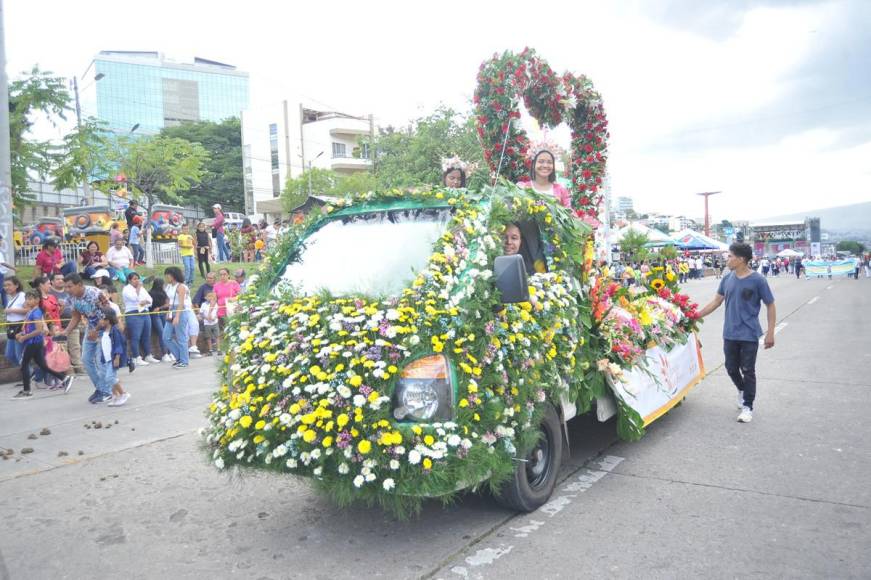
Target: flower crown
545,145
451,163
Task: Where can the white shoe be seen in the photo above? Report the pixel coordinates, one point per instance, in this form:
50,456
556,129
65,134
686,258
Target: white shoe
167,358
139,362
195,355
194,348
151,360
746,415
122,399
172,357
112,402
740,400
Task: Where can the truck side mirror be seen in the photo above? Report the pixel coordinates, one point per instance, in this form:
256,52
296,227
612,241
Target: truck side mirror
510,275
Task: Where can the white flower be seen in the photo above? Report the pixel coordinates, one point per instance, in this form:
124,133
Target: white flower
454,440
414,340
370,477
284,418
359,480
388,484
393,314
344,391
343,468
291,463
219,463
317,471
235,414
279,451
414,456
394,464
359,400
466,443
315,453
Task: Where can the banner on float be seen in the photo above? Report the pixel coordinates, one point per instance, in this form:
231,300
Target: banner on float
665,381
826,268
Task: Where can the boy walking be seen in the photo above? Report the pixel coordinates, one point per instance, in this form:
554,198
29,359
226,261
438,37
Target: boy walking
744,291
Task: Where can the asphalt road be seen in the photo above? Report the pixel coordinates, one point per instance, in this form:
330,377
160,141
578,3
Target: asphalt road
701,495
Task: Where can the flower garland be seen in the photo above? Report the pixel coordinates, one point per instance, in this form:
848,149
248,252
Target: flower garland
550,100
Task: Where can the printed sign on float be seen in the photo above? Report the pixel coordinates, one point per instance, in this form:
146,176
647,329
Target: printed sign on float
665,381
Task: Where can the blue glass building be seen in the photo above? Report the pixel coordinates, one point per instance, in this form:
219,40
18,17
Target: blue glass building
144,90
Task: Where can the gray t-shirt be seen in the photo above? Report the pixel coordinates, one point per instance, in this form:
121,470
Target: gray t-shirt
67,300
743,299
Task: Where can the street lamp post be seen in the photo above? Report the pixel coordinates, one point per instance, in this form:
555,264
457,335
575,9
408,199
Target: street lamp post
708,194
310,172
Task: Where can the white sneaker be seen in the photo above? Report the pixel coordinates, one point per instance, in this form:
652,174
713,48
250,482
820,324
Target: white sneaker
112,402
151,360
167,358
171,357
193,349
139,362
740,400
195,355
746,415
122,399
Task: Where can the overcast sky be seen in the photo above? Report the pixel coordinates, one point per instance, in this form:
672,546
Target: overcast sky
769,101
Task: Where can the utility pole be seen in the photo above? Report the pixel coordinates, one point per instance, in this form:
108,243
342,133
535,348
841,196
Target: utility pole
301,135
286,142
708,194
7,244
86,187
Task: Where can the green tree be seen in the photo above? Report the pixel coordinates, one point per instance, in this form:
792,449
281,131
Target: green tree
319,181
412,156
357,182
632,246
87,151
161,168
38,93
852,246
222,180
668,253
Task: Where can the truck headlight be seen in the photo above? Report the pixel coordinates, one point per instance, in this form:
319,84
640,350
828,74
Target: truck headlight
424,392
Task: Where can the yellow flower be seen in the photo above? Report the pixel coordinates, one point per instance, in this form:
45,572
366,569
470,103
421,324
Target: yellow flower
364,446
245,421
260,424
657,283
309,436
259,439
327,441
429,440
342,420
356,381
427,463
417,430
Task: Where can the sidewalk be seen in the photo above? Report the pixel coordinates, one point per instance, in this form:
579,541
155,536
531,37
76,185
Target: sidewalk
164,403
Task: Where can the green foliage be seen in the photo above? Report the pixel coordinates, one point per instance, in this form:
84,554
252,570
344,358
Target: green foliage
632,246
161,168
86,152
222,180
38,93
326,182
668,253
852,246
411,157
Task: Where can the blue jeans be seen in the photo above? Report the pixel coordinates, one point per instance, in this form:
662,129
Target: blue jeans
93,366
120,274
138,252
223,252
14,350
108,377
139,332
158,321
176,337
3,295
188,262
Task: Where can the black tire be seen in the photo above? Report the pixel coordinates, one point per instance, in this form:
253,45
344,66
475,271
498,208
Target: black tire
532,482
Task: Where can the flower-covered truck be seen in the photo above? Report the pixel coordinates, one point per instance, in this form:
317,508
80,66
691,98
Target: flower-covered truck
390,352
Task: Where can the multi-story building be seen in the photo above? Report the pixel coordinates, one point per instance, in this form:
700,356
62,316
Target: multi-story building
144,91
623,204
282,142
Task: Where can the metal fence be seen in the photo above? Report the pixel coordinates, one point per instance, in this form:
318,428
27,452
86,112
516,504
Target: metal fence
162,253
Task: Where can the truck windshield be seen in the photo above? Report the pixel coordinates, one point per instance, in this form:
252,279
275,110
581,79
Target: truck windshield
373,254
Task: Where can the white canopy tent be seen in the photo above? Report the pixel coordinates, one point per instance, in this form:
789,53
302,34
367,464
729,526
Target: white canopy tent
789,253
654,236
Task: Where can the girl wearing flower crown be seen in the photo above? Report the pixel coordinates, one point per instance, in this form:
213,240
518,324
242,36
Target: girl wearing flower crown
542,176
454,172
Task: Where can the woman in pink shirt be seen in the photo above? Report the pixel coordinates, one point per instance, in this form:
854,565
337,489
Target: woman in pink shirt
543,178
225,288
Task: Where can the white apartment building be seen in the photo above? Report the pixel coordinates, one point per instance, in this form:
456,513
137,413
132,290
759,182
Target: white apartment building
281,141
623,204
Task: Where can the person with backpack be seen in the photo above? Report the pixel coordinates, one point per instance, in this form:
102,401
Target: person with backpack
31,338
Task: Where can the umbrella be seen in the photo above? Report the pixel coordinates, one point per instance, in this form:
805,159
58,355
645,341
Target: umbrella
691,240
789,253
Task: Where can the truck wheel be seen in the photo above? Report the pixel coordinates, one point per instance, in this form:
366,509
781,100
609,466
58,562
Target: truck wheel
533,481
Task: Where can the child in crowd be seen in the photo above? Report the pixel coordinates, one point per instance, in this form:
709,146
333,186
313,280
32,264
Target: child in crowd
209,315
31,337
194,336
113,356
